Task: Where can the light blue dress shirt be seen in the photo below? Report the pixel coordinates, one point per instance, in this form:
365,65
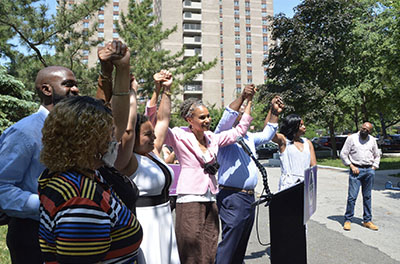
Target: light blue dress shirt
237,169
20,147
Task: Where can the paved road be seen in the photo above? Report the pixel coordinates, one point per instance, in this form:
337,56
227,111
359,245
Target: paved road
327,242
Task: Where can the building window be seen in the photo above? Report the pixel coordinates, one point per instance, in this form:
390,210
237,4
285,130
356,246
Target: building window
248,29
237,72
264,14
101,16
85,61
248,55
85,24
265,39
237,28
236,3
238,81
247,20
238,63
237,37
248,46
115,35
115,17
101,44
247,12
237,46
265,30
101,8
101,25
264,22
236,12
237,54
85,52
248,37
237,20
116,8
100,34
265,47
249,81
249,72
263,5
249,63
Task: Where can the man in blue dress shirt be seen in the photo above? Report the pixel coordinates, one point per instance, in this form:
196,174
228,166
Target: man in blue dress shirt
20,167
237,178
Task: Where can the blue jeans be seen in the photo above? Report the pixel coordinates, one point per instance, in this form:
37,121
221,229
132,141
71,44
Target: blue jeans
365,179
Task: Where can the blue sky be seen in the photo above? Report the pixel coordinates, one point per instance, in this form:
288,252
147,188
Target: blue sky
280,6
285,6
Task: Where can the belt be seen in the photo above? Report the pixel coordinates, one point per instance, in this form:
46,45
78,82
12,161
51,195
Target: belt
248,191
363,166
144,201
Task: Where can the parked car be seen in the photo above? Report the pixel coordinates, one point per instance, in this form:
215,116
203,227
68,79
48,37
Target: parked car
266,151
326,141
322,152
391,144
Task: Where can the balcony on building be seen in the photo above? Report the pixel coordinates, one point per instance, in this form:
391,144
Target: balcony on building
191,28
195,40
192,52
191,5
191,17
193,88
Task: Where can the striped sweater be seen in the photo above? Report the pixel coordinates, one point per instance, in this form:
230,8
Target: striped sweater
83,221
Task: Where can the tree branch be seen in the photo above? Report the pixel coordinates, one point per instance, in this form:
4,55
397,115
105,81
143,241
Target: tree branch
42,60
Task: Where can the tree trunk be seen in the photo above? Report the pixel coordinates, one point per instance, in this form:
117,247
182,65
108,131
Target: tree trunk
364,109
355,118
383,125
333,139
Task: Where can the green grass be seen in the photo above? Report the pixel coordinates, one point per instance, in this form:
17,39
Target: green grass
4,255
385,164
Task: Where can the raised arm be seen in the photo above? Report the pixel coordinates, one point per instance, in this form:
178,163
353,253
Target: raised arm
164,112
231,113
120,102
151,106
276,108
126,161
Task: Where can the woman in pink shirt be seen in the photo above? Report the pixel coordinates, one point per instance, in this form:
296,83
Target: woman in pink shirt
197,224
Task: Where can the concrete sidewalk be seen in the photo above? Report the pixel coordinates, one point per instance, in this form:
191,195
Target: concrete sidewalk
327,242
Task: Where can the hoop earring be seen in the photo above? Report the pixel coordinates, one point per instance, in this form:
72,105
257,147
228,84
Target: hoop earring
98,156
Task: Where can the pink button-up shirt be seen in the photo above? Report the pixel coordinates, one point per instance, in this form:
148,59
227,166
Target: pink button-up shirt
193,179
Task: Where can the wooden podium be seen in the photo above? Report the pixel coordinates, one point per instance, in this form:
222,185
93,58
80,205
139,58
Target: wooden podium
287,230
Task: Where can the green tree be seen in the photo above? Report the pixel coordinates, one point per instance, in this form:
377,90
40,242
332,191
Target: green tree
375,68
15,100
143,35
49,39
306,66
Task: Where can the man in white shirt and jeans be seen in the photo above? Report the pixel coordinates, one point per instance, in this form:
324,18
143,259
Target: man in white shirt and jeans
361,153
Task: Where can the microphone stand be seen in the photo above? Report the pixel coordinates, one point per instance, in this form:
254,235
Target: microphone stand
268,195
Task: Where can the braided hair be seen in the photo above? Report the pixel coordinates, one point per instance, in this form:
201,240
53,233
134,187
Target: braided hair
188,106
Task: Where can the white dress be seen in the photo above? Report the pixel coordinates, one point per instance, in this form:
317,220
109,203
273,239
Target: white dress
293,164
159,241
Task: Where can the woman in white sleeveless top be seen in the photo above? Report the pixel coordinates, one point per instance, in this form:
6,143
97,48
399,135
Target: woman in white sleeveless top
296,153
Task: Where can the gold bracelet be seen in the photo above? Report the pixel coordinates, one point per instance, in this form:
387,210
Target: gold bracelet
121,94
167,93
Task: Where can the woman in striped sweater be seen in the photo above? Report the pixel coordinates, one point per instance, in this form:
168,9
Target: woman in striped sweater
82,220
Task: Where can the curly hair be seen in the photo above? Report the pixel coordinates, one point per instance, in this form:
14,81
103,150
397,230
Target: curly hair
290,126
74,133
188,106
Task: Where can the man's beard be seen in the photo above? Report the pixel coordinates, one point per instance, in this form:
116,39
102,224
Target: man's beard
56,98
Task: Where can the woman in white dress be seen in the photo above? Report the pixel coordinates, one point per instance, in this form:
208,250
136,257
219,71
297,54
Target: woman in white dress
141,147
296,153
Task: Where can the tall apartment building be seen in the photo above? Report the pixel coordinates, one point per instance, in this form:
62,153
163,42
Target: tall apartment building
233,31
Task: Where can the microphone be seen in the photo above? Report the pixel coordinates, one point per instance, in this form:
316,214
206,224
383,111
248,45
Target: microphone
243,144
